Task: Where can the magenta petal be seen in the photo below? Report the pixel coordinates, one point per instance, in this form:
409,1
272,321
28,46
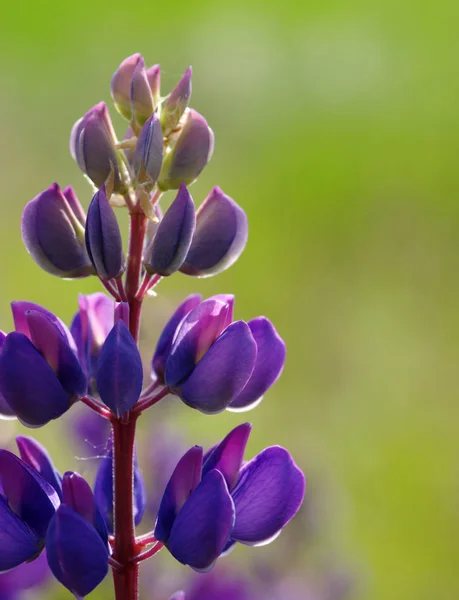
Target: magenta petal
228,456
76,554
222,372
270,362
20,308
184,479
120,376
198,331
268,495
203,526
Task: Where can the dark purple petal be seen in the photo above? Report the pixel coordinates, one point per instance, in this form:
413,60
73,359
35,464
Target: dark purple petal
18,542
184,479
103,238
28,383
197,332
103,489
141,96
172,241
6,412
222,372
220,236
53,233
37,457
28,494
166,338
121,85
148,156
120,376
49,341
176,103
92,146
228,456
76,554
203,526
190,154
268,495
270,362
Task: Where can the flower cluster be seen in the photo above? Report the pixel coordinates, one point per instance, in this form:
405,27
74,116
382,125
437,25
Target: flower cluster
204,357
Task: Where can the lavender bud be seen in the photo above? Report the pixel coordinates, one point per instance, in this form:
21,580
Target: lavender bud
154,79
121,85
190,154
170,245
92,146
141,96
103,238
52,229
220,236
148,156
176,103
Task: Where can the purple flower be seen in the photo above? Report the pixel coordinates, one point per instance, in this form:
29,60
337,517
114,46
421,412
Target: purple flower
27,504
103,238
40,375
134,89
77,540
103,489
190,153
148,155
141,97
53,233
90,328
92,146
213,364
119,376
213,501
176,103
171,243
220,236
24,577
37,457
6,412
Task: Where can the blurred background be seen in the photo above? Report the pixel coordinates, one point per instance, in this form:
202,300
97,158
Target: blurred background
337,130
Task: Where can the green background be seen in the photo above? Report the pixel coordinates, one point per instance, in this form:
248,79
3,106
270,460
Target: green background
337,129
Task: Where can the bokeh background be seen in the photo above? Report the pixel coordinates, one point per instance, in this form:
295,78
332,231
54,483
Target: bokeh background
337,129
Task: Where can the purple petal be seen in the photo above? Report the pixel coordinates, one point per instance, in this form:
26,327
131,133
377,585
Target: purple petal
184,479
103,238
28,575
203,526
148,156
121,84
270,362
49,341
172,241
38,397
141,96
18,542
220,237
198,331
6,412
76,554
166,338
28,494
120,376
178,596
20,308
228,456
190,154
53,233
154,79
222,372
176,103
268,495
37,457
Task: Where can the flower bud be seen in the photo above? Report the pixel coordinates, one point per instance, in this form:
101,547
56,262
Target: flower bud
176,103
103,238
52,229
190,153
220,236
37,457
6,412
92,146
154,79
121,85
141,96
170,245
148,156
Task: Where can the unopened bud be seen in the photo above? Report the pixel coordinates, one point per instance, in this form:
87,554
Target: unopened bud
148,156
121,85
53,232
189,155
176,103
154,79
141,96
93,146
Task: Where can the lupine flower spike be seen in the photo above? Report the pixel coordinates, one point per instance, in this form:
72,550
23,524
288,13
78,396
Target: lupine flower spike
204,356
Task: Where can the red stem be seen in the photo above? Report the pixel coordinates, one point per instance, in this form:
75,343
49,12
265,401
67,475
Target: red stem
145,403
148,553
125,548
